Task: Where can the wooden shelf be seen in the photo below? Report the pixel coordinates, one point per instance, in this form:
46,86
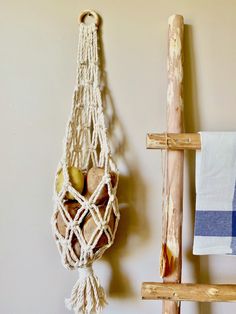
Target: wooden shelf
189,292
174,141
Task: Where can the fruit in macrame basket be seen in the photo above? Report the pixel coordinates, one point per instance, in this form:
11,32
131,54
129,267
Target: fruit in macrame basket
76,179
90,226
94,177
71,208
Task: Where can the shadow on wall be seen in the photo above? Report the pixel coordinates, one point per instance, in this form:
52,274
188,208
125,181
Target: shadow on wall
131,194
192,124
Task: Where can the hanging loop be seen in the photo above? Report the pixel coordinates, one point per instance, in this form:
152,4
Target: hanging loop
89,13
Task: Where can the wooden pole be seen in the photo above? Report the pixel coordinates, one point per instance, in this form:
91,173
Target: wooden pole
174,141
189,292
171,259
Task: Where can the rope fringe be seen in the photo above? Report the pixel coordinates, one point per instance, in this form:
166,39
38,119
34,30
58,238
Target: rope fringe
87,295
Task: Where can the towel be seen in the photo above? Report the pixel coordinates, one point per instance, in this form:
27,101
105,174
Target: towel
215,217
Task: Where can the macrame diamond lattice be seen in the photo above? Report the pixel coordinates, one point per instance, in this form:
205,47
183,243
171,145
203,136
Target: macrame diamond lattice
86,145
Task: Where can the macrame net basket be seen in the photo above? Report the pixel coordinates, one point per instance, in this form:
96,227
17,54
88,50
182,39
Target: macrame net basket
86,145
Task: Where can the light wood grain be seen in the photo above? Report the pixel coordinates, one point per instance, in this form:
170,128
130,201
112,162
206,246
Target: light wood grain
89,13
189,292
174,141
171,257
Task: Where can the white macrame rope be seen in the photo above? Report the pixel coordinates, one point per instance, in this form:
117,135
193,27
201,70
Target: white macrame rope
85,146
87,287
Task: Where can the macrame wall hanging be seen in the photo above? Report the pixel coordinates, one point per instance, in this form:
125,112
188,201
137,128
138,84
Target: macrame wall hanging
86,210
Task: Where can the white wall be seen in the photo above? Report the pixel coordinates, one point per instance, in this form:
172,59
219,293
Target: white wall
37,75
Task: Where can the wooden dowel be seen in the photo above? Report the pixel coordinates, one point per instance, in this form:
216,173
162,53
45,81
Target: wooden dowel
189,292
174,141
171,258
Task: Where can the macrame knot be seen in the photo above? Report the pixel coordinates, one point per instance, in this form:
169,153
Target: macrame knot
100,225
72,224
112,198
86,205
64,242
92,148
107,179
85,271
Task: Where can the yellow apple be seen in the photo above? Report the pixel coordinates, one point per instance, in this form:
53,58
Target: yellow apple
76,179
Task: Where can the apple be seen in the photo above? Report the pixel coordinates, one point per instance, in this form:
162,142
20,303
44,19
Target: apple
76,179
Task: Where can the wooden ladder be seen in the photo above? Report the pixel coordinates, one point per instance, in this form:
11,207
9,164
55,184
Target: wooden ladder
171,290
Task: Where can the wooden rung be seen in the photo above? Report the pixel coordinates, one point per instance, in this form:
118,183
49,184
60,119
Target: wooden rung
189,292
173,141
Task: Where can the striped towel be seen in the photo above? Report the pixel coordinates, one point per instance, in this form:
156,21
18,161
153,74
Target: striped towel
215,218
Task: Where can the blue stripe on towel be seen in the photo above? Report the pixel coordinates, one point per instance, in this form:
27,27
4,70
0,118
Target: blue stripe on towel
215,223
233,241
234,198
234,224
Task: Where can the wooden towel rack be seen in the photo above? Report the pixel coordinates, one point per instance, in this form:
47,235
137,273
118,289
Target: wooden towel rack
172,291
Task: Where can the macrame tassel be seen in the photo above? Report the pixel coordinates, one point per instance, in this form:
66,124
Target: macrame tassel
88,296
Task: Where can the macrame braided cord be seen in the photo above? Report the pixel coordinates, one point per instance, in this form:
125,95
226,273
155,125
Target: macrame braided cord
89,227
